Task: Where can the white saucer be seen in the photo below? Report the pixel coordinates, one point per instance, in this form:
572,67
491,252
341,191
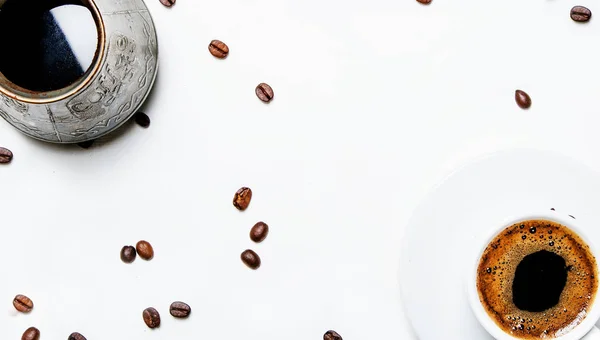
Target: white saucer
440,233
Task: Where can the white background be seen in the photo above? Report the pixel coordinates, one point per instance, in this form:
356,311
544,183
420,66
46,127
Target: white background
375,102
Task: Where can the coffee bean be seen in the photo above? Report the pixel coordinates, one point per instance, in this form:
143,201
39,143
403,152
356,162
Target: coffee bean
31,333
251,259
22,303
332,335
168,3
142,119
180,309
86,145
128,254
5,155
424,2
264,92
145,250
523,99
581,14
259,232
76,336
151,317
218,49
242,198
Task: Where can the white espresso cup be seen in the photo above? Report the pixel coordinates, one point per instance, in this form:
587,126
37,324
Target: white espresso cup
585,330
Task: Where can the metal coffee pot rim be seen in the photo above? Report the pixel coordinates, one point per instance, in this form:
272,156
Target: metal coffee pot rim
107,95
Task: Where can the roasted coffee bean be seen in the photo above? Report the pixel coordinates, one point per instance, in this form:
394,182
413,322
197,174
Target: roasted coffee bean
581,14
522,99
180,309
218,49
5,155
76,336
128,254
22,303
142,119
259,232
168,3
264,92
86,145
251,259
145,250
424,2
332,335
151,317
242,198
31,333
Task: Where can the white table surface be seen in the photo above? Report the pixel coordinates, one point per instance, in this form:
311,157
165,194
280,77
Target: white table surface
375,102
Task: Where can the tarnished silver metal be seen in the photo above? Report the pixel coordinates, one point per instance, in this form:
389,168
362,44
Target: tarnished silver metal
108,94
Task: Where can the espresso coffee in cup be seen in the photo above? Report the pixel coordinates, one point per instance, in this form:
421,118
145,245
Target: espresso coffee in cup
537,279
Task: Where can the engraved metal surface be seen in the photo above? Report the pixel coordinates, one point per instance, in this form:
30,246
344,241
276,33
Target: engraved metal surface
127,69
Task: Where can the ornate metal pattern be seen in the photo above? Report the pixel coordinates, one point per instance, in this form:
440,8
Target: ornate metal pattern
126,74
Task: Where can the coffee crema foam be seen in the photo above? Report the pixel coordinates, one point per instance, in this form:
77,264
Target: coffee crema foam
496,273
